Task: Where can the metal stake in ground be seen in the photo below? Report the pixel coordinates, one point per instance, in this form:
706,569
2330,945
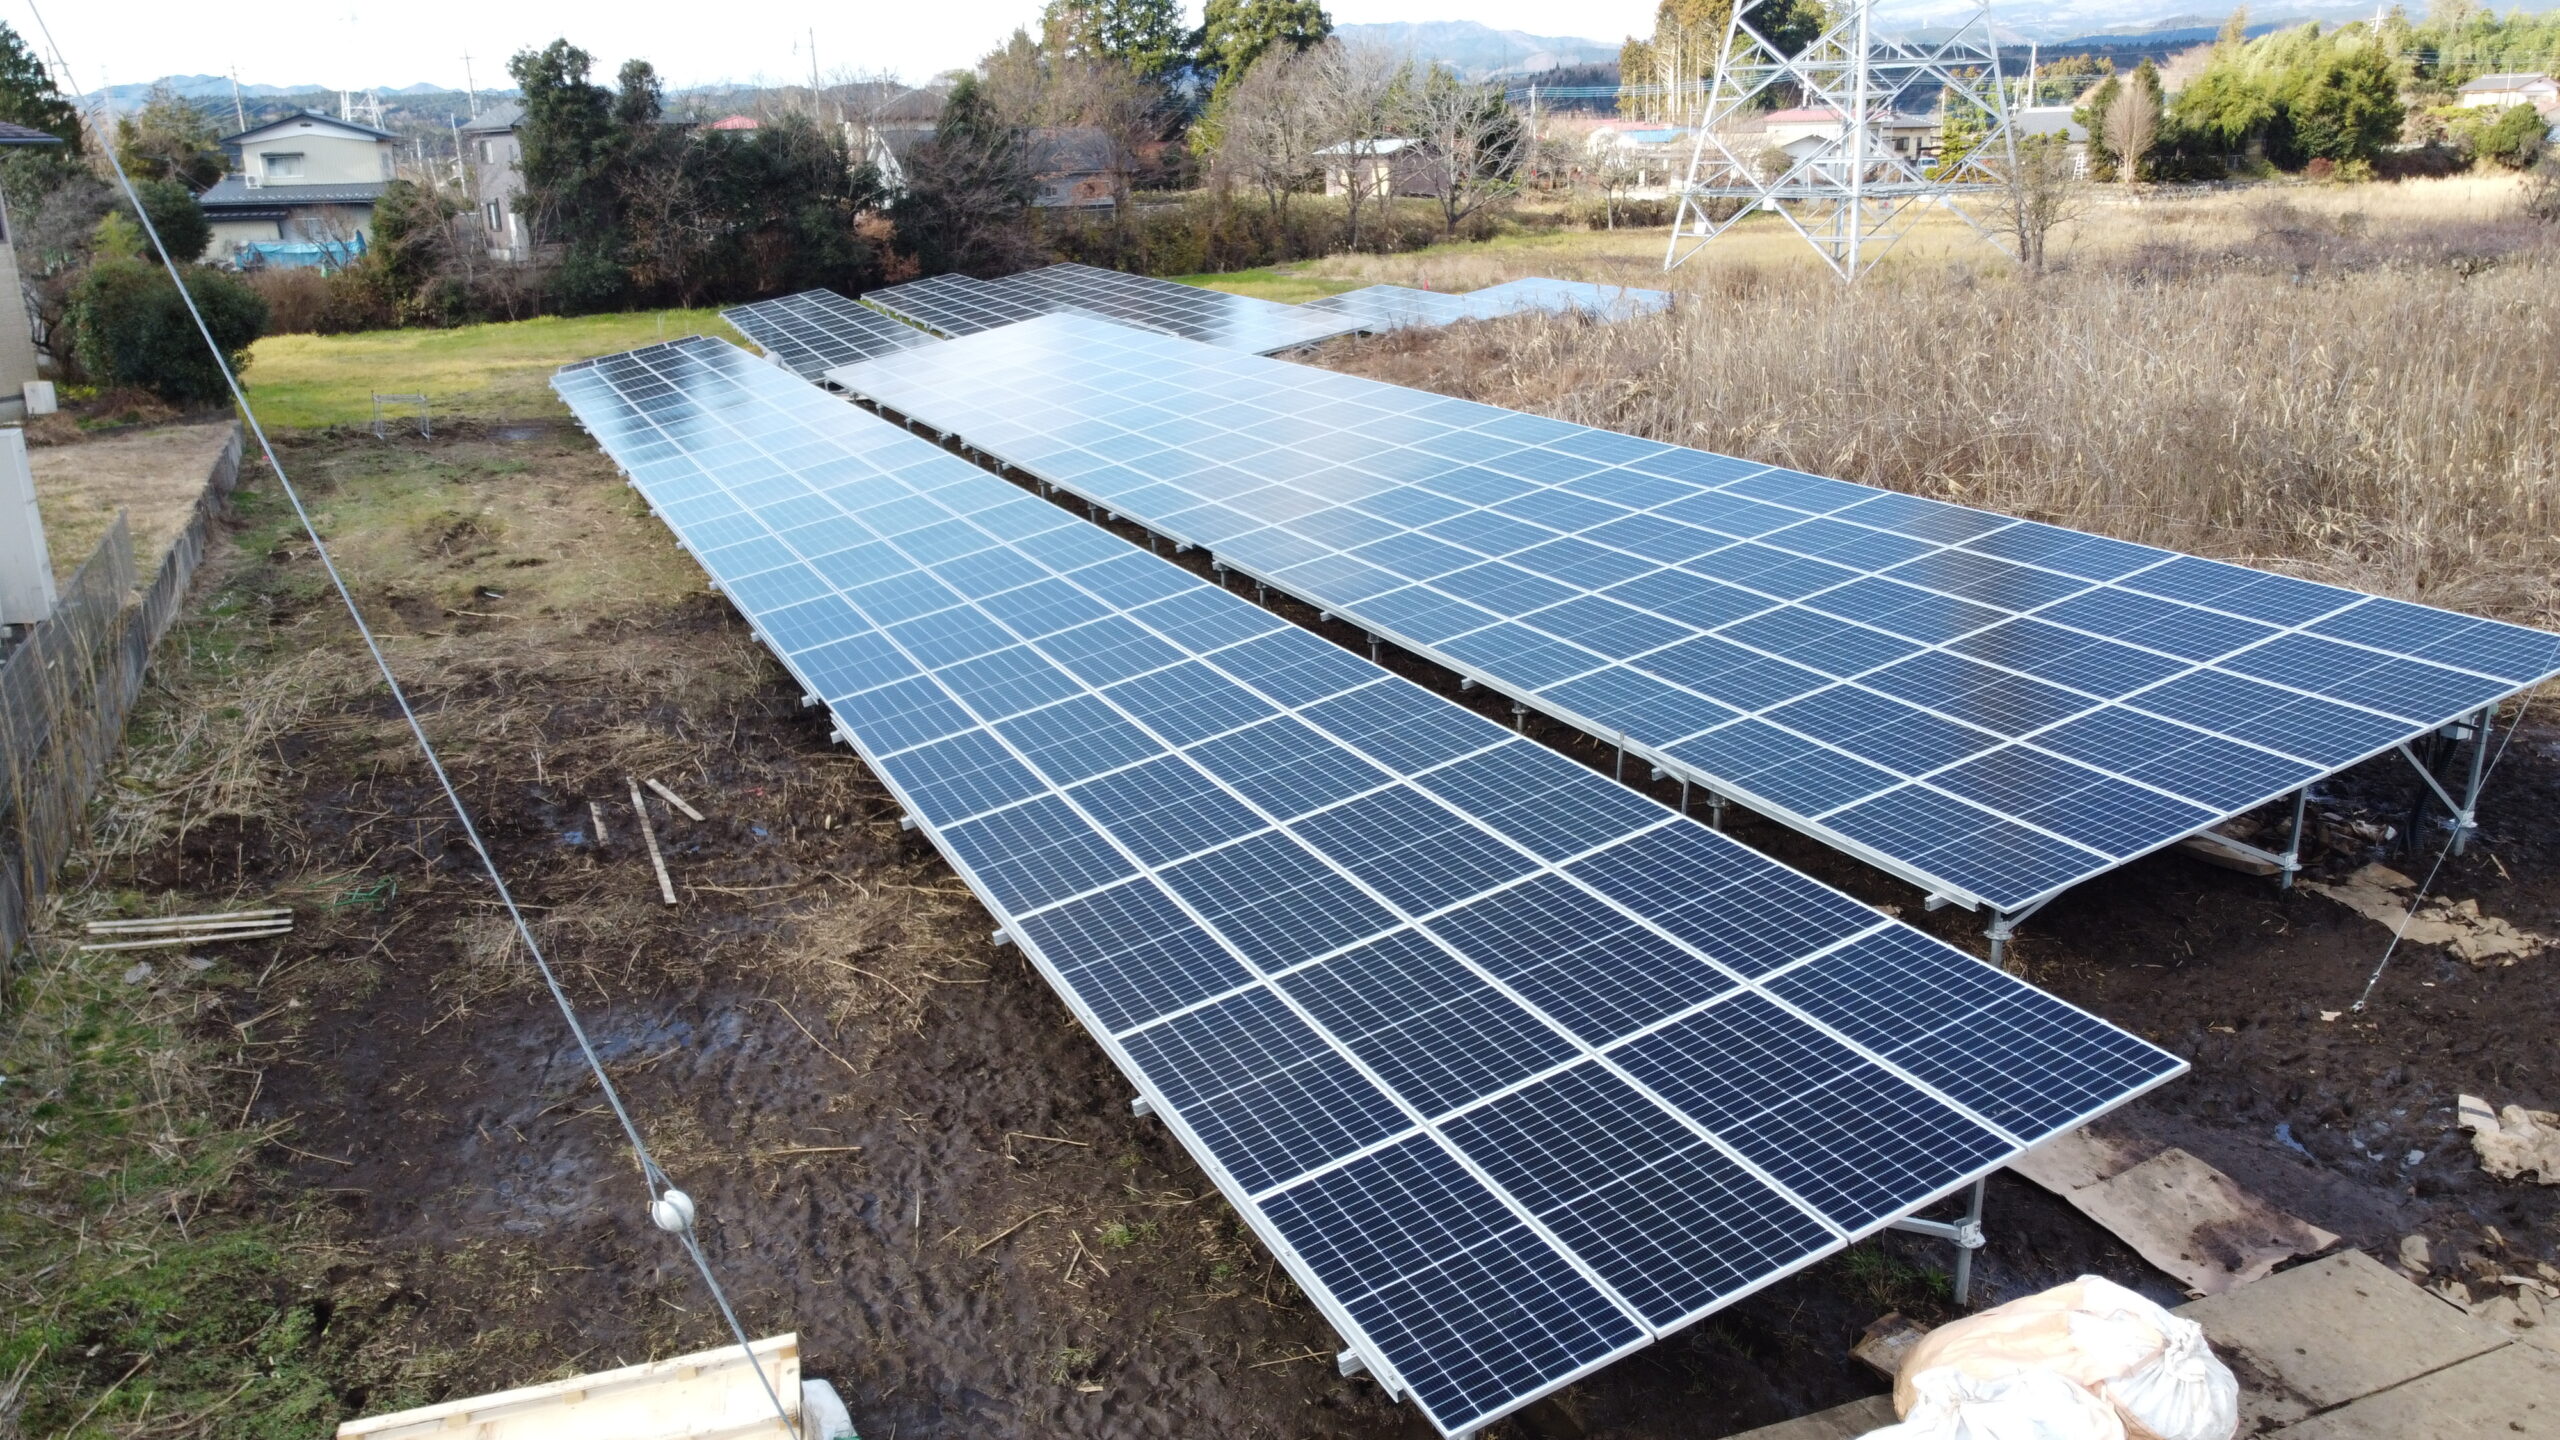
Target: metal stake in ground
649,837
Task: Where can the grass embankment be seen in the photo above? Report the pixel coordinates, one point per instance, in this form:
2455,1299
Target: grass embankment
478,372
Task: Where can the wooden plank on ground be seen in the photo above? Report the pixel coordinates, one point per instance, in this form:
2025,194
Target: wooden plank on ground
2340,1328
2509,1394
713,1395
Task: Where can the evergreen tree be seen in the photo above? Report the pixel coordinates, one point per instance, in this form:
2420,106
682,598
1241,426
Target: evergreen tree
28,96
176,218
1235,33
170,139
1146,35
578,138
2351,109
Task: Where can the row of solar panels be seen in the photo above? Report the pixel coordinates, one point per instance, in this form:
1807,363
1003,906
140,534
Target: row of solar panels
1992,708
1514,1069
817,330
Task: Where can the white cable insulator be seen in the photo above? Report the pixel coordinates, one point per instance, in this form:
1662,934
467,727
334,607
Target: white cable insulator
672,1212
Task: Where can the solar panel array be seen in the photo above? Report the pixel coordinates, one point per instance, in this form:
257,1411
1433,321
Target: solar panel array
955,305
1995,709
816,330
1513,1069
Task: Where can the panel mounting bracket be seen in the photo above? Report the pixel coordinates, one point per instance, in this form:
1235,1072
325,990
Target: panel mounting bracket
1141,1106
2466,811
1349,1363
1965,1234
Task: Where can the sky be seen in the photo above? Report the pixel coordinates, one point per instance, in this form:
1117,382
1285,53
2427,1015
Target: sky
334,44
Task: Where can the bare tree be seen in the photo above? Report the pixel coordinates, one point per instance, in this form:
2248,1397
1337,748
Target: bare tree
1356,92
1471,145
2044,192
2132,123
1615,172
1273,126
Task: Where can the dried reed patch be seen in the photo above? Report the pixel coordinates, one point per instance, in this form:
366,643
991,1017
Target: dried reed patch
2394,426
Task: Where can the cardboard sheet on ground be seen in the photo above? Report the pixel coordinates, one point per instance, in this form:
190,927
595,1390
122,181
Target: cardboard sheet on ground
2381,894
2512,1143
2182,1215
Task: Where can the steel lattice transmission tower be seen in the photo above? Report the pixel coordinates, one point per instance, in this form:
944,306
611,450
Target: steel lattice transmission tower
1856,191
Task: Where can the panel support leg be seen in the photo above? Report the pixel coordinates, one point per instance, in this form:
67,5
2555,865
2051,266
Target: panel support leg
1715,811
2293,841
2468,822
2004,924
2465,810
1964,1234
1373,649
1519,717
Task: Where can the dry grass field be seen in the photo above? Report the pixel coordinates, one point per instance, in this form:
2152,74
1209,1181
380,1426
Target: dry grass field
2358,384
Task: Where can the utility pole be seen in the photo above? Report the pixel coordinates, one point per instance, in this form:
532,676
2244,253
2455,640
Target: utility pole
813,77
470,90
239,112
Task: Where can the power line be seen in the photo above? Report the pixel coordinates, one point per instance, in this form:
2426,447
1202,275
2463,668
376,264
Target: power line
2450,841
670,1209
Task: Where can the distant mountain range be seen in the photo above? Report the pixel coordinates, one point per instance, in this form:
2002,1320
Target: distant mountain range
1477,50
218,87
1480,51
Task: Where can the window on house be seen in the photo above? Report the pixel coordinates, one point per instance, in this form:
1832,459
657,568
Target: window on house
496,210
488,153
282,164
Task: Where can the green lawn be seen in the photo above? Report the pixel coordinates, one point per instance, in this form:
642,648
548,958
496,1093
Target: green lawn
480,372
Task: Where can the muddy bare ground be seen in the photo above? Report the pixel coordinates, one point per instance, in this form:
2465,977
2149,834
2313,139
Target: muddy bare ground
907,1151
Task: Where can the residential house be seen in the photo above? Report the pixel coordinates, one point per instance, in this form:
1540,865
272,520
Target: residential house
1653,154
17,331
492,178
1392,165
2497,92
894,120
303,192
2055,120
1804,131
1077,167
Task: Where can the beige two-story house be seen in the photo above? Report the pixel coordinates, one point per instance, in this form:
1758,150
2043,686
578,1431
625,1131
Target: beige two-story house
302,192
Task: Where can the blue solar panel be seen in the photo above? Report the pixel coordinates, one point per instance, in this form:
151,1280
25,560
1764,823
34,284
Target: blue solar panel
1466,1032
1992,708
816,330
956,305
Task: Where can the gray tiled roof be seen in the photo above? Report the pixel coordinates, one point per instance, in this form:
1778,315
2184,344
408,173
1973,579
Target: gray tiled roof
234,192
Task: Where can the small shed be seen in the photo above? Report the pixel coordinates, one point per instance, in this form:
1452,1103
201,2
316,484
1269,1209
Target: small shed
1077,167
2497,92
1390,165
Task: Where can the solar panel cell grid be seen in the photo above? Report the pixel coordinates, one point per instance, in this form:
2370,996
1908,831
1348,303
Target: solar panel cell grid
816,330
1289,893
955,305
1840,657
